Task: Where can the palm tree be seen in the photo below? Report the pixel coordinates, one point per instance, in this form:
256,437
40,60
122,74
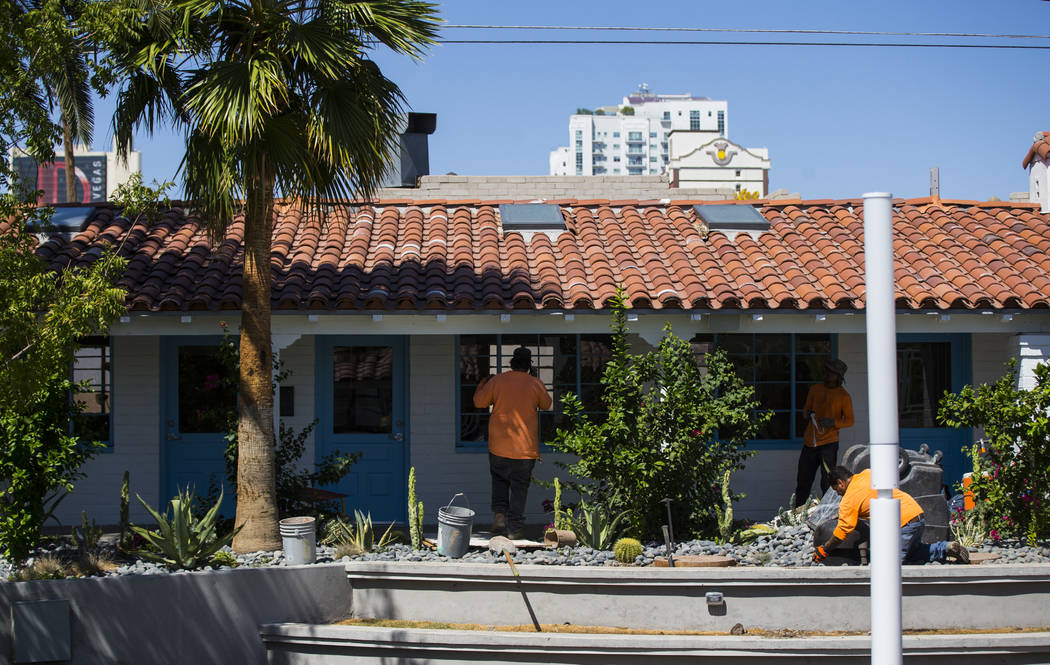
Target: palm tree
278,98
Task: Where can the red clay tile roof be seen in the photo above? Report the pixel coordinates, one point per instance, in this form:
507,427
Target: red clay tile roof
1041,149
442,255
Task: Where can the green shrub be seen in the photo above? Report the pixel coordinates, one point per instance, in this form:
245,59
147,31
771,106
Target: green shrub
593,527
86,537
626,550
183,541
1010,480
223,558
671,431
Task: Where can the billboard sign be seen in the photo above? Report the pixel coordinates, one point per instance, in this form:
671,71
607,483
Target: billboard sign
90,177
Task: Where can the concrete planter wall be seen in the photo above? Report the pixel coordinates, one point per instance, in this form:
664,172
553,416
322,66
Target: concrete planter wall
820,598
200,618
351,645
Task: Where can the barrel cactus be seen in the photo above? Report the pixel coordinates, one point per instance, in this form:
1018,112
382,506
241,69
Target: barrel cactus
626,550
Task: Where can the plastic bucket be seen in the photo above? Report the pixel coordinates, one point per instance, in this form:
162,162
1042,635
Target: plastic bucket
454,525
299,538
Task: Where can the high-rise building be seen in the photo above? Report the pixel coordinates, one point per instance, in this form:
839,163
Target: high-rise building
634,137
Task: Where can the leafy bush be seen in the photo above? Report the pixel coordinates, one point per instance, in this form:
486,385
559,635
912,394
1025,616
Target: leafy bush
358,538
672,430
224,558
626,550
593,526
1011,478
42,319
183,541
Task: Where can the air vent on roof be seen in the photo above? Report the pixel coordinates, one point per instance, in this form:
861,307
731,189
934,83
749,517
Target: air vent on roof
531,218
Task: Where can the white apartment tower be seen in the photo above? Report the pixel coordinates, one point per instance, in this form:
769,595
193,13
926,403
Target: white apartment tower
634,138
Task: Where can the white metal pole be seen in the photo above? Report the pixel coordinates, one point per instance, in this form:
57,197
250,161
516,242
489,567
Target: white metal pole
883,430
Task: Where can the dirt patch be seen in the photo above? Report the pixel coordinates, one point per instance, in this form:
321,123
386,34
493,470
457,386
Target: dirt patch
623,630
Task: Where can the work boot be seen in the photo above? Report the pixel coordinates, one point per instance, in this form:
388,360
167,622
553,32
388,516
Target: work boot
961,554
499,523
516,533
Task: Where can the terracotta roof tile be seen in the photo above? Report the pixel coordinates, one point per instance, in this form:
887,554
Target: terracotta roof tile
1040,148
454,255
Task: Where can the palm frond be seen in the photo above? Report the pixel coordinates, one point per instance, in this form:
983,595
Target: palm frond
404,26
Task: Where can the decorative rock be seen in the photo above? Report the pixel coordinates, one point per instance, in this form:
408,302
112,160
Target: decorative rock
500,544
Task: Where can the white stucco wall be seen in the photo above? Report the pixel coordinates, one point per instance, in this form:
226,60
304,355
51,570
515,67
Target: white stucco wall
299,359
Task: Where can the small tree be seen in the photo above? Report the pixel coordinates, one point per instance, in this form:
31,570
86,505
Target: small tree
672,430
583,111
1011,476
627,110
42,319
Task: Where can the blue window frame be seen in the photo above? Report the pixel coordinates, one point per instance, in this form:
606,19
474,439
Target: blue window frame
565,363
92,371
781,367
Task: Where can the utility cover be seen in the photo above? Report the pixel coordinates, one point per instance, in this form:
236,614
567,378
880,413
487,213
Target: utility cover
731,217
40,631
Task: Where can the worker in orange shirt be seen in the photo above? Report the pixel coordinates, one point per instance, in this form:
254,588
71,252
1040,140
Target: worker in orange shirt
514,439
828,409
854,511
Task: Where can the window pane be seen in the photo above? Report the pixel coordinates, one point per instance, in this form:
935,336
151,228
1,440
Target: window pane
923,375
810,369
744,367
565,369
207,391
773,368
813,344
363,397
736,343
773,343
774,395
778,427
474,426
591,396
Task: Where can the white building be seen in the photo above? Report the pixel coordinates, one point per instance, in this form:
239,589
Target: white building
653,134
633,138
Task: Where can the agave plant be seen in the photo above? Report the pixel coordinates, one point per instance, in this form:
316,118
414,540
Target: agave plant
357,538
184,541
593,528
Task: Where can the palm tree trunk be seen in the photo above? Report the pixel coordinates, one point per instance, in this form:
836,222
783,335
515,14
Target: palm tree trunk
71,165
256,484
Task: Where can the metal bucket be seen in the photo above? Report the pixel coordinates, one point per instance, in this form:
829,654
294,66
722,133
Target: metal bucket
454,525
299,537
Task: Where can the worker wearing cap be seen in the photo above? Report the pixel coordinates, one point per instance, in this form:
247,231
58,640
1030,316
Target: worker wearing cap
854,510
514,439
828,409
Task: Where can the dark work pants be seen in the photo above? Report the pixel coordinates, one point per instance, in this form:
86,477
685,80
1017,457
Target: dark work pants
510,488
809,462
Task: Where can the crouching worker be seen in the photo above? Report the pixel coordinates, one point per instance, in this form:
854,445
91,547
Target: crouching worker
857,493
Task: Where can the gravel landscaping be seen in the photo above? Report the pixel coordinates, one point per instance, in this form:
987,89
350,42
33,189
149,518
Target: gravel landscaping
789,546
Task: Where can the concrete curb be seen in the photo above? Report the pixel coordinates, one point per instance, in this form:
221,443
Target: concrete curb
298,644
820,599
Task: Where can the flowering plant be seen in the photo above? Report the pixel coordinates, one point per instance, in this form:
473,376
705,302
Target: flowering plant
1011,470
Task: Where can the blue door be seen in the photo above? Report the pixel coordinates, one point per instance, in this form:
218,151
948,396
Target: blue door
928,365
199,396
361,408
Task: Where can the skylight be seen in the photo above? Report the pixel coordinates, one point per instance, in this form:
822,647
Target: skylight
731,217
531,217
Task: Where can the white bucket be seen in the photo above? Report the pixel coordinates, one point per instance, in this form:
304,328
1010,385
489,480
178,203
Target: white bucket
454,525
299,537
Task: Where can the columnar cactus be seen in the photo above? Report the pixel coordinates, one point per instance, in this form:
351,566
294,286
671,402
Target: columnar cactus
725,516
415,512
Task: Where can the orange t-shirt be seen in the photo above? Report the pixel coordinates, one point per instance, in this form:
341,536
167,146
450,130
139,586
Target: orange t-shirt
514,426
834,403
855,504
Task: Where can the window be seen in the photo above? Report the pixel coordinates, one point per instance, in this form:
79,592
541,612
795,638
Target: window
652,158
616,159
667,115
694,120
652,135
738,173
92,366
924,373
207,391
579,163
634,136
616,171
565,363
781,367
616,146
579,134
616,135
722,123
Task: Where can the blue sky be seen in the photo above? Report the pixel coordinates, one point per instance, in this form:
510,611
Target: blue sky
838,121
